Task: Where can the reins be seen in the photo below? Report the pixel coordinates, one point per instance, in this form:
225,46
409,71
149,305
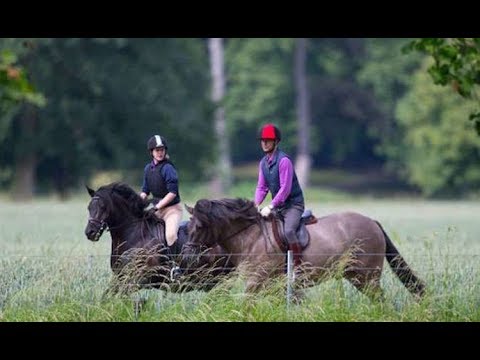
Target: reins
276,234
239,231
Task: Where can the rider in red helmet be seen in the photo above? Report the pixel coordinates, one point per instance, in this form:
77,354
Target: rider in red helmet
277,175
161,180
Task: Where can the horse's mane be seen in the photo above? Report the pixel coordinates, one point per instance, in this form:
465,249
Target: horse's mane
222,212
122,195
217,215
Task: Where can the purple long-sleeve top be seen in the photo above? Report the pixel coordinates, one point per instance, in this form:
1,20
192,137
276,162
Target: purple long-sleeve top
285,169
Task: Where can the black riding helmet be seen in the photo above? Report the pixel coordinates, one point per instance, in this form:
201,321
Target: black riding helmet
156,141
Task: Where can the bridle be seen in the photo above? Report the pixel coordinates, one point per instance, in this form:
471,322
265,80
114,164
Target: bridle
103,226
101,223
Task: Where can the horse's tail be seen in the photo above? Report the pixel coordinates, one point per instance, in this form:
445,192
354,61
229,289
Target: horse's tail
401,268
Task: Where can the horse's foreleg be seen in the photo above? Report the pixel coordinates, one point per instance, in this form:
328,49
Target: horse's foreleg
260,274
255,277
254,284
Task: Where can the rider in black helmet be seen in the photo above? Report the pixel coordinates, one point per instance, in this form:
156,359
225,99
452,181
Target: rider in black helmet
161,180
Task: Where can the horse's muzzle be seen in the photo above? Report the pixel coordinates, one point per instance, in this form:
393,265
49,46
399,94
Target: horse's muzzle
95,234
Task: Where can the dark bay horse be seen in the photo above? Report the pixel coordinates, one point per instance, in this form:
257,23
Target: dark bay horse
350,240
140,256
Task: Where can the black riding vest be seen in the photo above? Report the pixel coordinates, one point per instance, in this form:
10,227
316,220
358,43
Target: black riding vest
156,184
272,177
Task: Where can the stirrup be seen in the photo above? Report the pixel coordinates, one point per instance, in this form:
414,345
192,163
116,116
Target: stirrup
175,272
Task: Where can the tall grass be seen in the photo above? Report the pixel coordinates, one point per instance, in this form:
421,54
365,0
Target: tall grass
49,271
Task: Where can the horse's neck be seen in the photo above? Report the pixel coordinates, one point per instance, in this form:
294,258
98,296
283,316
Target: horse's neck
120,220
136,233
240,238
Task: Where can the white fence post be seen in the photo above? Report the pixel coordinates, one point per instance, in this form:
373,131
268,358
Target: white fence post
290,277
89,263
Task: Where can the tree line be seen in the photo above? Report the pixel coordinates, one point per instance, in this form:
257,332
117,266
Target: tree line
91,104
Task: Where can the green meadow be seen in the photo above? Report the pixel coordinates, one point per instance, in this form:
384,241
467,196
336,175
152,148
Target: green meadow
51,272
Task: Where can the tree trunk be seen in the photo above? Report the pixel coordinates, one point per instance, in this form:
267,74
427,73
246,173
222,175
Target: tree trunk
222,178
24,177
60,180
303,161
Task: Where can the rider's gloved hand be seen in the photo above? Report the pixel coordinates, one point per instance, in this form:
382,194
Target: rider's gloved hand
265,212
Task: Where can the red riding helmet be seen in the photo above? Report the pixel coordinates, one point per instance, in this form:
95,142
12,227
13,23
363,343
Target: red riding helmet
270,132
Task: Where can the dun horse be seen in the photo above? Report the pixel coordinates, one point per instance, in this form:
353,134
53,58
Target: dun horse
140,256
353,241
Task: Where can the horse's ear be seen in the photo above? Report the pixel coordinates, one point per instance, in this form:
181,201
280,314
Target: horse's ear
90,191
189,209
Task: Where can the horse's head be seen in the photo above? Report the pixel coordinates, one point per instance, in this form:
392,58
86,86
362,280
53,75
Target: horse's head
115,205
202,255
97,216
198,226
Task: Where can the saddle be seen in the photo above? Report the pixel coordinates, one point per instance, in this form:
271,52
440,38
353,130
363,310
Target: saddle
278,228
182,235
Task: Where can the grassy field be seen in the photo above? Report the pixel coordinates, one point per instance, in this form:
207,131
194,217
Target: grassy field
51,272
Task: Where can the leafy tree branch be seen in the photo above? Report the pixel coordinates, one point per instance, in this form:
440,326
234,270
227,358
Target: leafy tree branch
456,63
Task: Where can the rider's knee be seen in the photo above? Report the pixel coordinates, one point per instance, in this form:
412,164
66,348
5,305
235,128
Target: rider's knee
171,238
290,233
